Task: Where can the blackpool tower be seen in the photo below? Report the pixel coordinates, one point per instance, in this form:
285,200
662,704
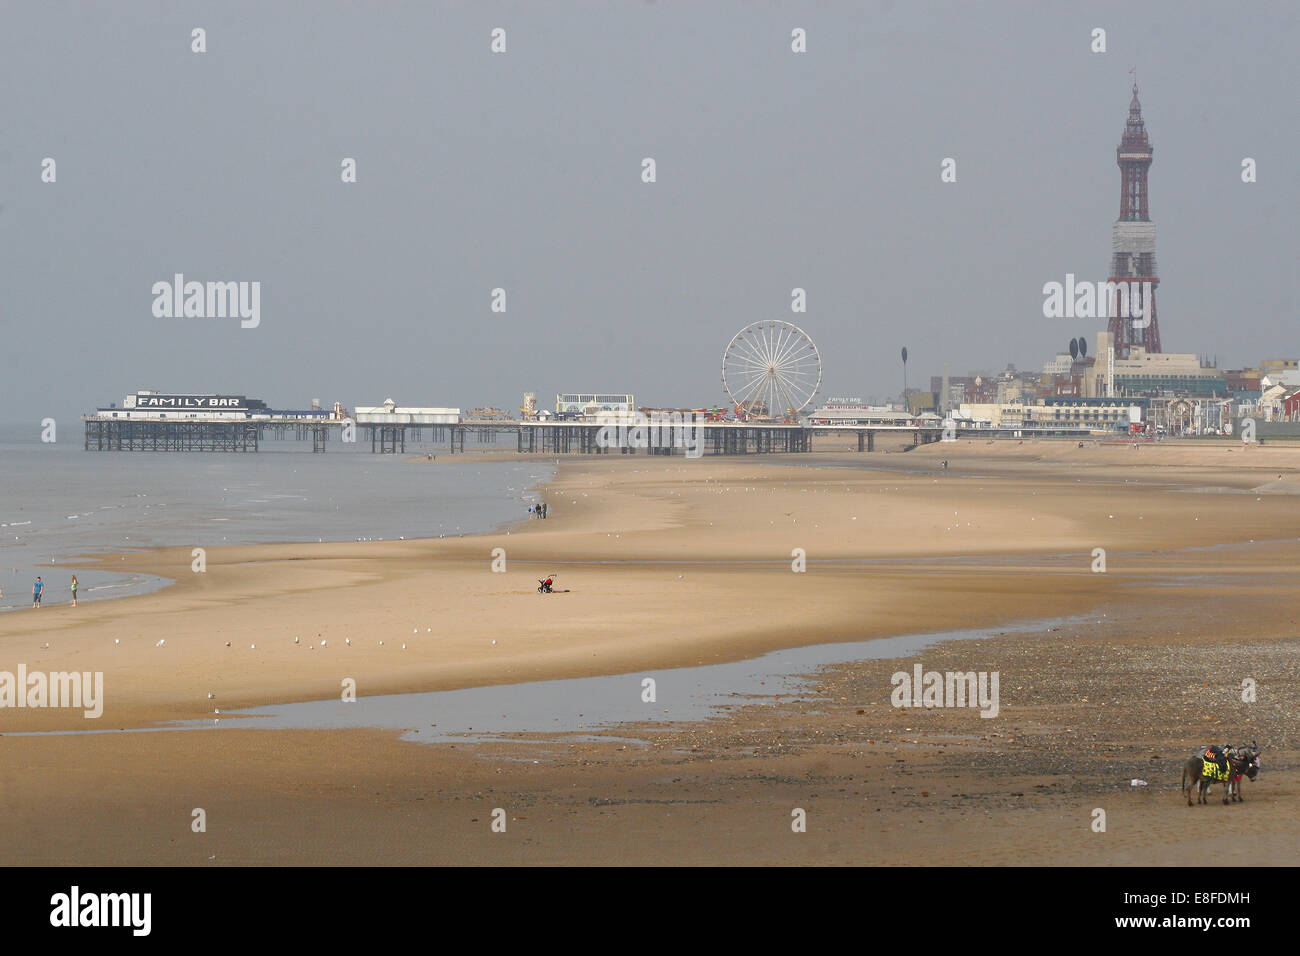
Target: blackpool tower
1133,239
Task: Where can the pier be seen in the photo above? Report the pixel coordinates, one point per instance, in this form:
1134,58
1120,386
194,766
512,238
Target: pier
117,435
387,437
715,438
550,438
927,434
389,429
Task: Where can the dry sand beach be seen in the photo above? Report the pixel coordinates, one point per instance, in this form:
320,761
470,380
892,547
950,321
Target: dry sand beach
672,563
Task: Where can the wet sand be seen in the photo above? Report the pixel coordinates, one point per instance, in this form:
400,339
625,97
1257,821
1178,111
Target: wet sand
674,563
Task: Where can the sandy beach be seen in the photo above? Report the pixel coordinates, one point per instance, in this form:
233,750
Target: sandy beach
670,563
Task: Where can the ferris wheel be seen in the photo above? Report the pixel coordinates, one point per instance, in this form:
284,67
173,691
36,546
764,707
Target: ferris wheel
771,370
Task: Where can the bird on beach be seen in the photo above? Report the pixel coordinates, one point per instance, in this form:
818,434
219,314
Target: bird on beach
211,695
295,640
252,647
227,643
347,641
117,640
323,643
162,641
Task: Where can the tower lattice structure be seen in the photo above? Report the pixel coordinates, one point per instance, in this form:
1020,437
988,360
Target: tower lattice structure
1133,238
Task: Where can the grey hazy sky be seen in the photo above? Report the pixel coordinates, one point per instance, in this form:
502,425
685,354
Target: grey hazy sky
522,170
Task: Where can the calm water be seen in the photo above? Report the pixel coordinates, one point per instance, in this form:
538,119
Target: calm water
599,703
58,501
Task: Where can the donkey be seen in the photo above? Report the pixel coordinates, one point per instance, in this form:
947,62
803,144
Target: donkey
1246,760
1195,780
1242,760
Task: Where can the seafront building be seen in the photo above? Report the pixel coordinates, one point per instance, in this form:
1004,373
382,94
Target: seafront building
1150,373
152,405
591,404
842,413
390,413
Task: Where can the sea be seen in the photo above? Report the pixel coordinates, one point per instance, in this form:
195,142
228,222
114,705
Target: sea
59,503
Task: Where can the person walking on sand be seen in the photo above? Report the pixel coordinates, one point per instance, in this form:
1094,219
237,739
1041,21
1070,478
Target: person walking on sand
37,588
74,590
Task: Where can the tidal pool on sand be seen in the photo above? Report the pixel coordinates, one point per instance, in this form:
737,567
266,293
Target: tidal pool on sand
584,705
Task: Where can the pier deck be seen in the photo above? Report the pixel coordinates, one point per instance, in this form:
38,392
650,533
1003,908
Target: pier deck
550,438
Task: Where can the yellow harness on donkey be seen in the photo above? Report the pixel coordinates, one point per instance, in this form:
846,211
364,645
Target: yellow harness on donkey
1211,769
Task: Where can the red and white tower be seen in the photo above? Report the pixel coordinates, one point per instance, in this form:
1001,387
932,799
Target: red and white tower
1133,239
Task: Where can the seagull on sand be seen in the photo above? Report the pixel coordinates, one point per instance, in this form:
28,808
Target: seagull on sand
161,642
295,640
